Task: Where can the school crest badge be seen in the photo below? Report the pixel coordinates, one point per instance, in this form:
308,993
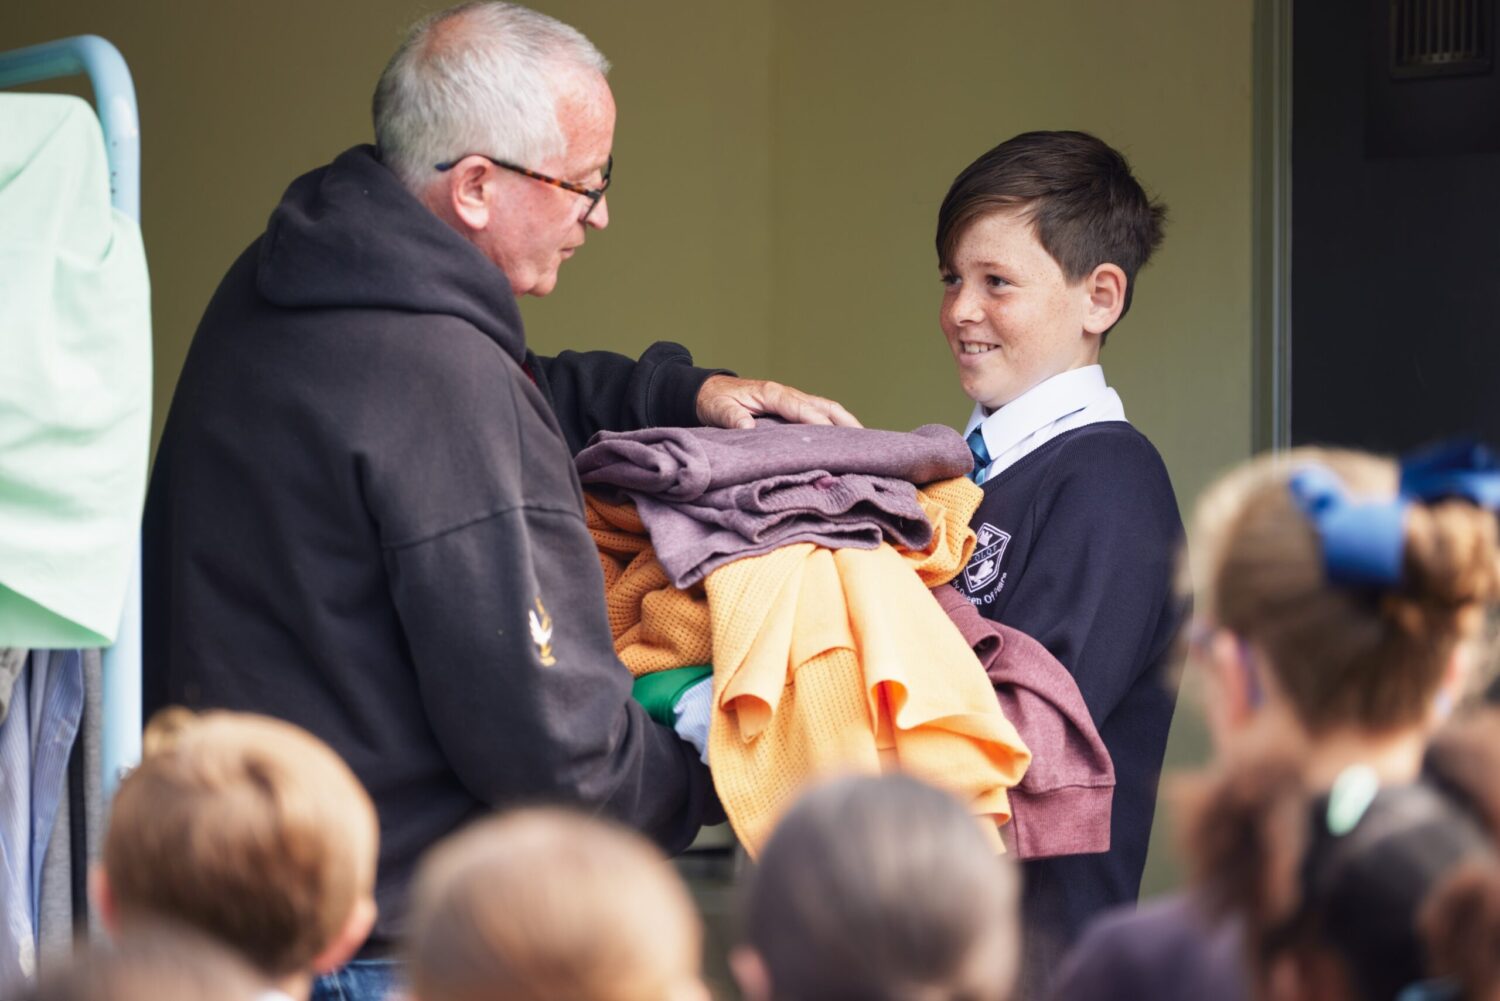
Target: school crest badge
541,633
984,565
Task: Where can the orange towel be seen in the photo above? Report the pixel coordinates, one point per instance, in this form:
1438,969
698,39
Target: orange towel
656,627
949,505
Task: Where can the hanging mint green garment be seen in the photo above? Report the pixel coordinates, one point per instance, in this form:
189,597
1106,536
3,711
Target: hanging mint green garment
75,379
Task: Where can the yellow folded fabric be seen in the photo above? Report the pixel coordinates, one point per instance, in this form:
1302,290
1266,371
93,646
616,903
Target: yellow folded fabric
830,661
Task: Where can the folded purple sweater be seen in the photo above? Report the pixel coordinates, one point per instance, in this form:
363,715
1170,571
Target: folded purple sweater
681,464
730,523
1062,805
709,496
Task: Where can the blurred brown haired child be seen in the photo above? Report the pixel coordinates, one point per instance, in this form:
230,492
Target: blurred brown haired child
154,961
250,830
547,904
879,889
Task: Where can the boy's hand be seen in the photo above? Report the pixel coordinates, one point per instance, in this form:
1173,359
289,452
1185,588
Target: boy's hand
729,402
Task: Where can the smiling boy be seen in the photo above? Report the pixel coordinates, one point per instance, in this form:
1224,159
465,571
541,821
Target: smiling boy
1039,242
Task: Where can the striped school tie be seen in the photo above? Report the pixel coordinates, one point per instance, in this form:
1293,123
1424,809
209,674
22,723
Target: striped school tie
982,458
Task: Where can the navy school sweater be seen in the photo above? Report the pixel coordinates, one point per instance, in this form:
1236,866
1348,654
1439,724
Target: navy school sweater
1077,547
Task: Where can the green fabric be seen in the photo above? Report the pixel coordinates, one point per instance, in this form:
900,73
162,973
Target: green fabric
75,383
659,691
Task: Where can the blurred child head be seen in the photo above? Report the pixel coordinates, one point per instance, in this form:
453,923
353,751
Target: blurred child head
1361,892
879,889
1039,242
154,961
249,829
552,905
1272,629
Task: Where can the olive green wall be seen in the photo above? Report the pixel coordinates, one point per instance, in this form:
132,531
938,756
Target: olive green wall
877,106
779,167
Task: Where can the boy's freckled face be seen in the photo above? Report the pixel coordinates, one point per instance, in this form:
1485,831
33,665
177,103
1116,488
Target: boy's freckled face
1011,317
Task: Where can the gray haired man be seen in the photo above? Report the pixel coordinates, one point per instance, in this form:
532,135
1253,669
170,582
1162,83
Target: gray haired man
364,516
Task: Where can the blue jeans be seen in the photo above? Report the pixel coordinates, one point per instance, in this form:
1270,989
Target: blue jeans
360,980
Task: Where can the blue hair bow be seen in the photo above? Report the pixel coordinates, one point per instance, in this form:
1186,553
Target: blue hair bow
1363,540
1430,990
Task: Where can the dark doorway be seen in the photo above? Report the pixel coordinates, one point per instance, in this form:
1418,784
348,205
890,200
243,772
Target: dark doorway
1395,223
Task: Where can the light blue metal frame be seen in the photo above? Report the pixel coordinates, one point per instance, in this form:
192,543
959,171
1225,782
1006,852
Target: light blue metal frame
114,99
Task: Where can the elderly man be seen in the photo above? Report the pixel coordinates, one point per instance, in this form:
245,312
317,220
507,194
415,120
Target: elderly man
364,516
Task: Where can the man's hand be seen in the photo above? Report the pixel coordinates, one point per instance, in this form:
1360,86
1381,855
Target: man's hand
728,402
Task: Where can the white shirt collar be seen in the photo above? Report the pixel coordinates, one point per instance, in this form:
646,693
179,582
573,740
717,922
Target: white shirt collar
1045,403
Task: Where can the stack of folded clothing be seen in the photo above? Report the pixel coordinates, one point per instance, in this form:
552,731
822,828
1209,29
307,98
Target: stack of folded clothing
797,560
709,496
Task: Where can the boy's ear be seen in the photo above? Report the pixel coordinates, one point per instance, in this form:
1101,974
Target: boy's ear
1105,287
750,973
104,899
347,942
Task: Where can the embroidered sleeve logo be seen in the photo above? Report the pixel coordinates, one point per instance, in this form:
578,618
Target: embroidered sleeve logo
541,633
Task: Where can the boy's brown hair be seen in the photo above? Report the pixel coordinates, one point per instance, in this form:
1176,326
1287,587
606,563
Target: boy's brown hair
544,904
1076,190
883,889
244,827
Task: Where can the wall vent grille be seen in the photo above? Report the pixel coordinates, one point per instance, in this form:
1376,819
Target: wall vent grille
1440,37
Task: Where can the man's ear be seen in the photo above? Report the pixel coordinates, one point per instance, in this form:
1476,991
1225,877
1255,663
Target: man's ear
1105,287
104,899
750,973
350,937
467,192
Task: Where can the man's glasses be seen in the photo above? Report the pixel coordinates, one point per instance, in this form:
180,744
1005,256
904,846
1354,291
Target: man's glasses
592,194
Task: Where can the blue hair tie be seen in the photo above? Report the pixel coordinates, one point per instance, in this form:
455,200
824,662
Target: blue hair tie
1430,990
1363,541
1463,469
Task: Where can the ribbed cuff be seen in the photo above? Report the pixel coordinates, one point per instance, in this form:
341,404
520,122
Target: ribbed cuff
673,400
1073,820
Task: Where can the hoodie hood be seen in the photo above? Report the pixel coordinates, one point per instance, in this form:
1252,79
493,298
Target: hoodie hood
350,236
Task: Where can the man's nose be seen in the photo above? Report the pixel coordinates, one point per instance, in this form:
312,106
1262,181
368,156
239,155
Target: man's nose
599,217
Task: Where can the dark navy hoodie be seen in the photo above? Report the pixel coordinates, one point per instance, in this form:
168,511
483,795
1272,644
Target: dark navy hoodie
364,519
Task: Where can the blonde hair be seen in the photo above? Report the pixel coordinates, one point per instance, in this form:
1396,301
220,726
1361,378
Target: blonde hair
1342,655
244,827
550,905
